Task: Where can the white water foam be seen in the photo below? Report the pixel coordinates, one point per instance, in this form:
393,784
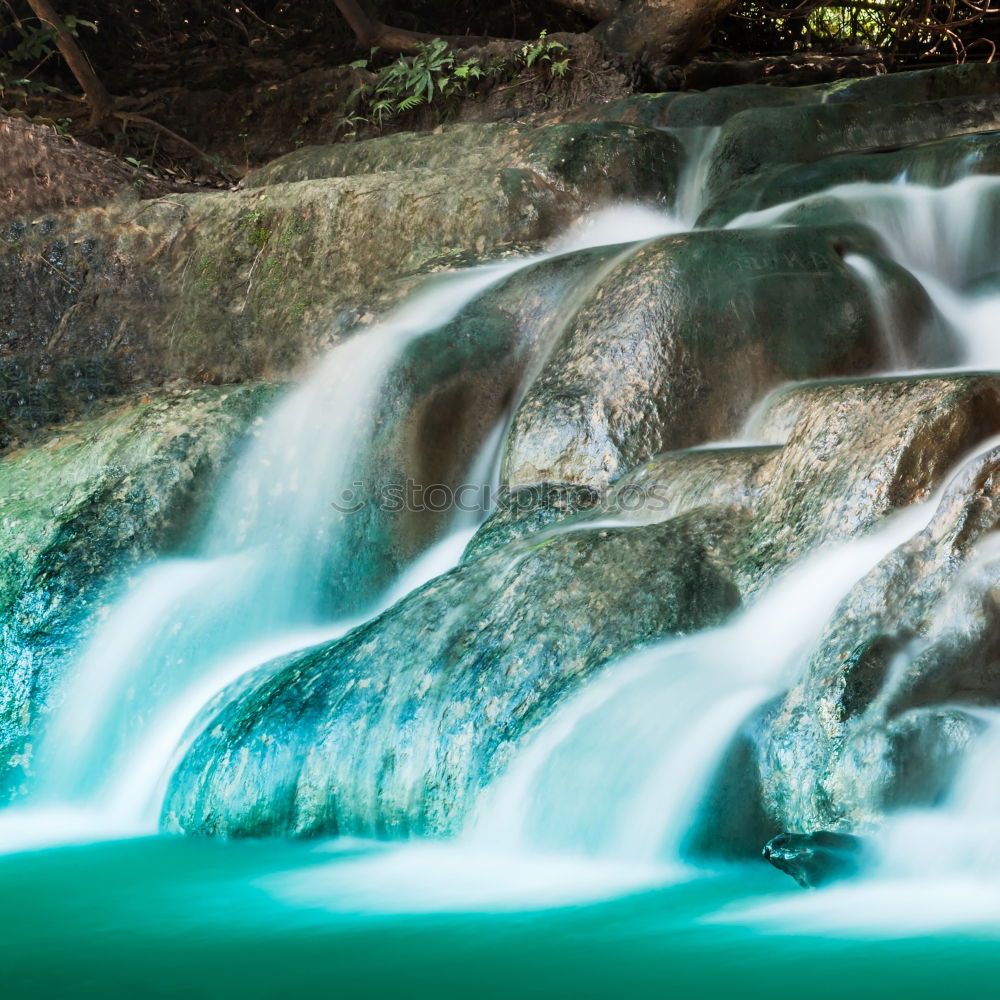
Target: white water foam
620,769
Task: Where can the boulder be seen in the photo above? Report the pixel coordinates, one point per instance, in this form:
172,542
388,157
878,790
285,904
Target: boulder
679,341
232,286
667,486
764,138
378,735
831,460
598,162
872,722
934,164
855,451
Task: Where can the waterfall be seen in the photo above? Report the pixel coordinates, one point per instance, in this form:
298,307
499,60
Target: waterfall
255,590
882,305
932,870
699,143
257,587
620,769
947,238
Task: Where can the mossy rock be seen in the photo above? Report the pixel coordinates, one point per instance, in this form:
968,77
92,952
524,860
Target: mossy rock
79,512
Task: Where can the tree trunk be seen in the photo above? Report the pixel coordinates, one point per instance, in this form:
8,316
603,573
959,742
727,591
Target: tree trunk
371,33
662,31
100,101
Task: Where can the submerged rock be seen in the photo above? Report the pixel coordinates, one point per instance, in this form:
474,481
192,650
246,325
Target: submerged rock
816,859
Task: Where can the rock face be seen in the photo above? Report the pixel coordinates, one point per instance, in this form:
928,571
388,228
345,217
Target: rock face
373,735
224,287
80,512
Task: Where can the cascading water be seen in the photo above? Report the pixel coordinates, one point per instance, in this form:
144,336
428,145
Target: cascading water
258,588
698,142
946,237
620,768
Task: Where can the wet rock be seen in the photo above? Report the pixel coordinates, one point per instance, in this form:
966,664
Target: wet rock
797,70
719,102
870,724
762,138
679,341
664,487
690,110
79,512
231,286
528,512
378,735
816,859
224,287
449,391
855,451
833,460
942,83
935,164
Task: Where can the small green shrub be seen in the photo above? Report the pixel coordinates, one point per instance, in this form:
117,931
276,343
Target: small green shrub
435,77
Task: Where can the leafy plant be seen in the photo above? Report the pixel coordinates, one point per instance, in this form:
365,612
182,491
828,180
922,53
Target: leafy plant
544,50
35,46
432,74
436,77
